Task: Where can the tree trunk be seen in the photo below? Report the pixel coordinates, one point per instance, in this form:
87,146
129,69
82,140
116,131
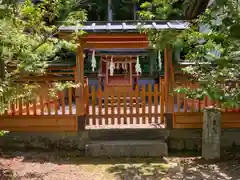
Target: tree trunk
211,133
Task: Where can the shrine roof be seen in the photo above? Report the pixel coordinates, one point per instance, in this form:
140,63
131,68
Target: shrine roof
126,26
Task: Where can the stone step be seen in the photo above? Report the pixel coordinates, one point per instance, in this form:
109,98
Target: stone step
128,148
128,134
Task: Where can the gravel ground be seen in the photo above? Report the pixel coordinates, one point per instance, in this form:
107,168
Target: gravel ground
65,166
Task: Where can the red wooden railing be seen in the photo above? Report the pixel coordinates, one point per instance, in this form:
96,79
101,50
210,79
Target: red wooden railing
184,104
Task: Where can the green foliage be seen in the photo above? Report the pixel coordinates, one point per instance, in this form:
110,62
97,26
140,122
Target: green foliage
59,86
234,31
162,10
215,54
28,42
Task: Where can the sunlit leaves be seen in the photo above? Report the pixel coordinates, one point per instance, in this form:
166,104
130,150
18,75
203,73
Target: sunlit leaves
28,43
214,52
159,9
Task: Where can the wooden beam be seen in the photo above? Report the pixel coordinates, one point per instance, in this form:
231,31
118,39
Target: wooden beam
61,68
44,78
116,45
119,56
113,35
105,36
68,35
113,40
108,54
39,123
119,61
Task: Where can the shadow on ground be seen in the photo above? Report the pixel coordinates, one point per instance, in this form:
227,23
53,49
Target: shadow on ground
58,157
5,173
137,172
174,168
184,169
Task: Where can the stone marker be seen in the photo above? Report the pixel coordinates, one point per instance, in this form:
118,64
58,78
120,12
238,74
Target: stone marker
211,133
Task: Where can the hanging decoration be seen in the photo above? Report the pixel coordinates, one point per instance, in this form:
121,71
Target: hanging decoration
159,60
112,67
123,66
138,67
93,61
126,66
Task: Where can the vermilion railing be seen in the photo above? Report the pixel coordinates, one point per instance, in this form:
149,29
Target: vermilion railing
43,103
184,104
119,105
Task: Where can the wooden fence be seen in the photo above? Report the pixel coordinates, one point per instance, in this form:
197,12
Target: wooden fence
44,112
119,106
188,112
43,103
142,107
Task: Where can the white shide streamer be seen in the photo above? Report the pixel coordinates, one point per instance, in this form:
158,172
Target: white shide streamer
112,67
138,66
124,66
93,62
159,60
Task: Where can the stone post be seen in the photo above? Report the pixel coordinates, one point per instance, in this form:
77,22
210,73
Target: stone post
211,133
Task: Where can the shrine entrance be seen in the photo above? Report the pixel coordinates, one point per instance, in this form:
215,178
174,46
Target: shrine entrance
119,101
126,107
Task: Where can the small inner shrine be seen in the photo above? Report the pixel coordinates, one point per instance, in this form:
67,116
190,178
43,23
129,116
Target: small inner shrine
119,70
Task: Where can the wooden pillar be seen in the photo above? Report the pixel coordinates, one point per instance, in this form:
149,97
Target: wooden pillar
100,74
106,78
171,68
130,72
168,78
79,79
171,78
